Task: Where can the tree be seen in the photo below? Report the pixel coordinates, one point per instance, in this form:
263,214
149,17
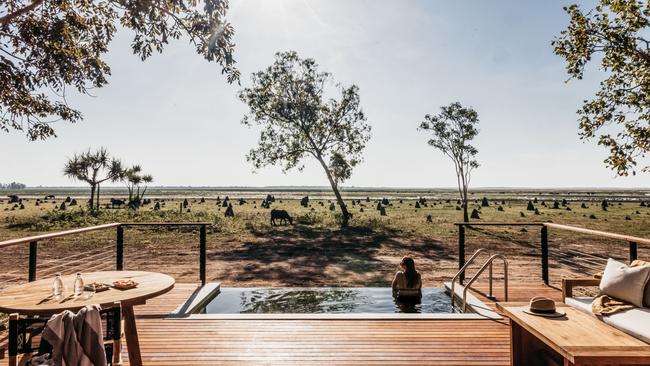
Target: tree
340,168
50,47
293,104
135,180
452,131
614,33
94,168
12,185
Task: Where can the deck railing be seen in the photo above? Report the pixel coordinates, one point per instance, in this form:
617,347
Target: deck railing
544,226
119,242
119,247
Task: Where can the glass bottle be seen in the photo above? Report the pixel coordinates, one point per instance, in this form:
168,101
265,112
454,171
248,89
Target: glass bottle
57,286
78,285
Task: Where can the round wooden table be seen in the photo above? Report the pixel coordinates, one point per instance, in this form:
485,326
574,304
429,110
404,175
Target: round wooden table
35,298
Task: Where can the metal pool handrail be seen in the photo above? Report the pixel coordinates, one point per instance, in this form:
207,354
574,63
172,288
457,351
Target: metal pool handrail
462,271
487,264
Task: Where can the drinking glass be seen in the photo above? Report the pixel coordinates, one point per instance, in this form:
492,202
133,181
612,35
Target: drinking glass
89,290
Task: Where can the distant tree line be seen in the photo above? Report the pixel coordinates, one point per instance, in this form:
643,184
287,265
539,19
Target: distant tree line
12,185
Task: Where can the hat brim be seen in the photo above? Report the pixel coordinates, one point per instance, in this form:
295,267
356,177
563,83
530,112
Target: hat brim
556,314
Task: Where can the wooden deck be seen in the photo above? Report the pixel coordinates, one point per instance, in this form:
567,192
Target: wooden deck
167,341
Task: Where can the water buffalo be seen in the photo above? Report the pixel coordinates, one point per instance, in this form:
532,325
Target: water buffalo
117,202
281,215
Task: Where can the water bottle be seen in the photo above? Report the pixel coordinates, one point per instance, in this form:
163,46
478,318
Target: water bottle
57,286
78,285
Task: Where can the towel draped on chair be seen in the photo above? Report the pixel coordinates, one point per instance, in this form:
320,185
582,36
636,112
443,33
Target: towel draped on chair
76,339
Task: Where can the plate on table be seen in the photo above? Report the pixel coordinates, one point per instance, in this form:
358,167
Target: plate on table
124,284
99,287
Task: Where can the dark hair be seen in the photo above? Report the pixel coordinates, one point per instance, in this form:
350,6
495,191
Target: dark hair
412,276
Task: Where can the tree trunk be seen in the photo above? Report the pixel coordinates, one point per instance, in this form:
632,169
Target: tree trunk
92,197
130,193
344,210
465,215
97,206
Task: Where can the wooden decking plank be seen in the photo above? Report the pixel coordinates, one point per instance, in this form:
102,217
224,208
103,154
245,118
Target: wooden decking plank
166,341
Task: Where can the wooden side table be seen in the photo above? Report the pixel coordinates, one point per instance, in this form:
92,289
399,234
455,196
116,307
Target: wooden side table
575,339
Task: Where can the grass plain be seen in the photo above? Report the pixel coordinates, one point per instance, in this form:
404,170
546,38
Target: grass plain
247,250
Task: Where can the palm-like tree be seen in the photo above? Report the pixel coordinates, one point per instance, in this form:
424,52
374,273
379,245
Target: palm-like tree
134,180
94,168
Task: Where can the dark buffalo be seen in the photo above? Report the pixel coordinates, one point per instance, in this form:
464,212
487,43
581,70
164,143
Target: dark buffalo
281,215
117,202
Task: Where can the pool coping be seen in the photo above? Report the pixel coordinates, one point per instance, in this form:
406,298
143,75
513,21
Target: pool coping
205,293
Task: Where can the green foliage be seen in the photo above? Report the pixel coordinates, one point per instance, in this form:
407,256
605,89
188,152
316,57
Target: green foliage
614,32
451,132
341,168
310,218
291,102
59,220
59,45
135,180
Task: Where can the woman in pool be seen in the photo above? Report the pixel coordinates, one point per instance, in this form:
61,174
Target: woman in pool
407,282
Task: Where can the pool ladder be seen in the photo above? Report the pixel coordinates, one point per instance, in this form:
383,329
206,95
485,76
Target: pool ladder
486,265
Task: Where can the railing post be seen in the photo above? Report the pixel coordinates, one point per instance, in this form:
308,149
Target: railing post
545,254
633,253
461,251
33,253
202,250
119,249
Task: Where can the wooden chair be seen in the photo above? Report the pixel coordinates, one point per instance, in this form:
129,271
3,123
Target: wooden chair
25,334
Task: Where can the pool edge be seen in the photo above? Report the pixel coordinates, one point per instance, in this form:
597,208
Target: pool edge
205,293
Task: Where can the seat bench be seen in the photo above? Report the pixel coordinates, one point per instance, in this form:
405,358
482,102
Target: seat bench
635,322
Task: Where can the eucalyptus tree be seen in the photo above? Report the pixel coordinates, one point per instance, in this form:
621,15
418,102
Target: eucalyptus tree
48,48
304,114
94,168
614,34
452,131
136,184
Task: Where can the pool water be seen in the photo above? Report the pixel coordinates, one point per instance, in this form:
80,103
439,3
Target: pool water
331,300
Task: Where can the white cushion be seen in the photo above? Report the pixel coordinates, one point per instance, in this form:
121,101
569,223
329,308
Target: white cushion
624,283
581,303
635,322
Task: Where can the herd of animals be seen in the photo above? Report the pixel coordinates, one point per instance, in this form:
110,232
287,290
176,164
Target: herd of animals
282,217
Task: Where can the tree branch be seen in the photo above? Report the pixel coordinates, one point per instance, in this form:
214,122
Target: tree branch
11,16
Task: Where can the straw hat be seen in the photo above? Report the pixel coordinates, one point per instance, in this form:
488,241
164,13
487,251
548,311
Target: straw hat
543,306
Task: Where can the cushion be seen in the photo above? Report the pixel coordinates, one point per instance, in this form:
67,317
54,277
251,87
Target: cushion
646,296
635,322
581,303
624,283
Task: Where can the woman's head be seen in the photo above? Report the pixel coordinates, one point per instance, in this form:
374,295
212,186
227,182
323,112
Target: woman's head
408,266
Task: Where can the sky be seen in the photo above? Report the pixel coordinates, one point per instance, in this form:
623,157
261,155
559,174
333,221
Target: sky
176,115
